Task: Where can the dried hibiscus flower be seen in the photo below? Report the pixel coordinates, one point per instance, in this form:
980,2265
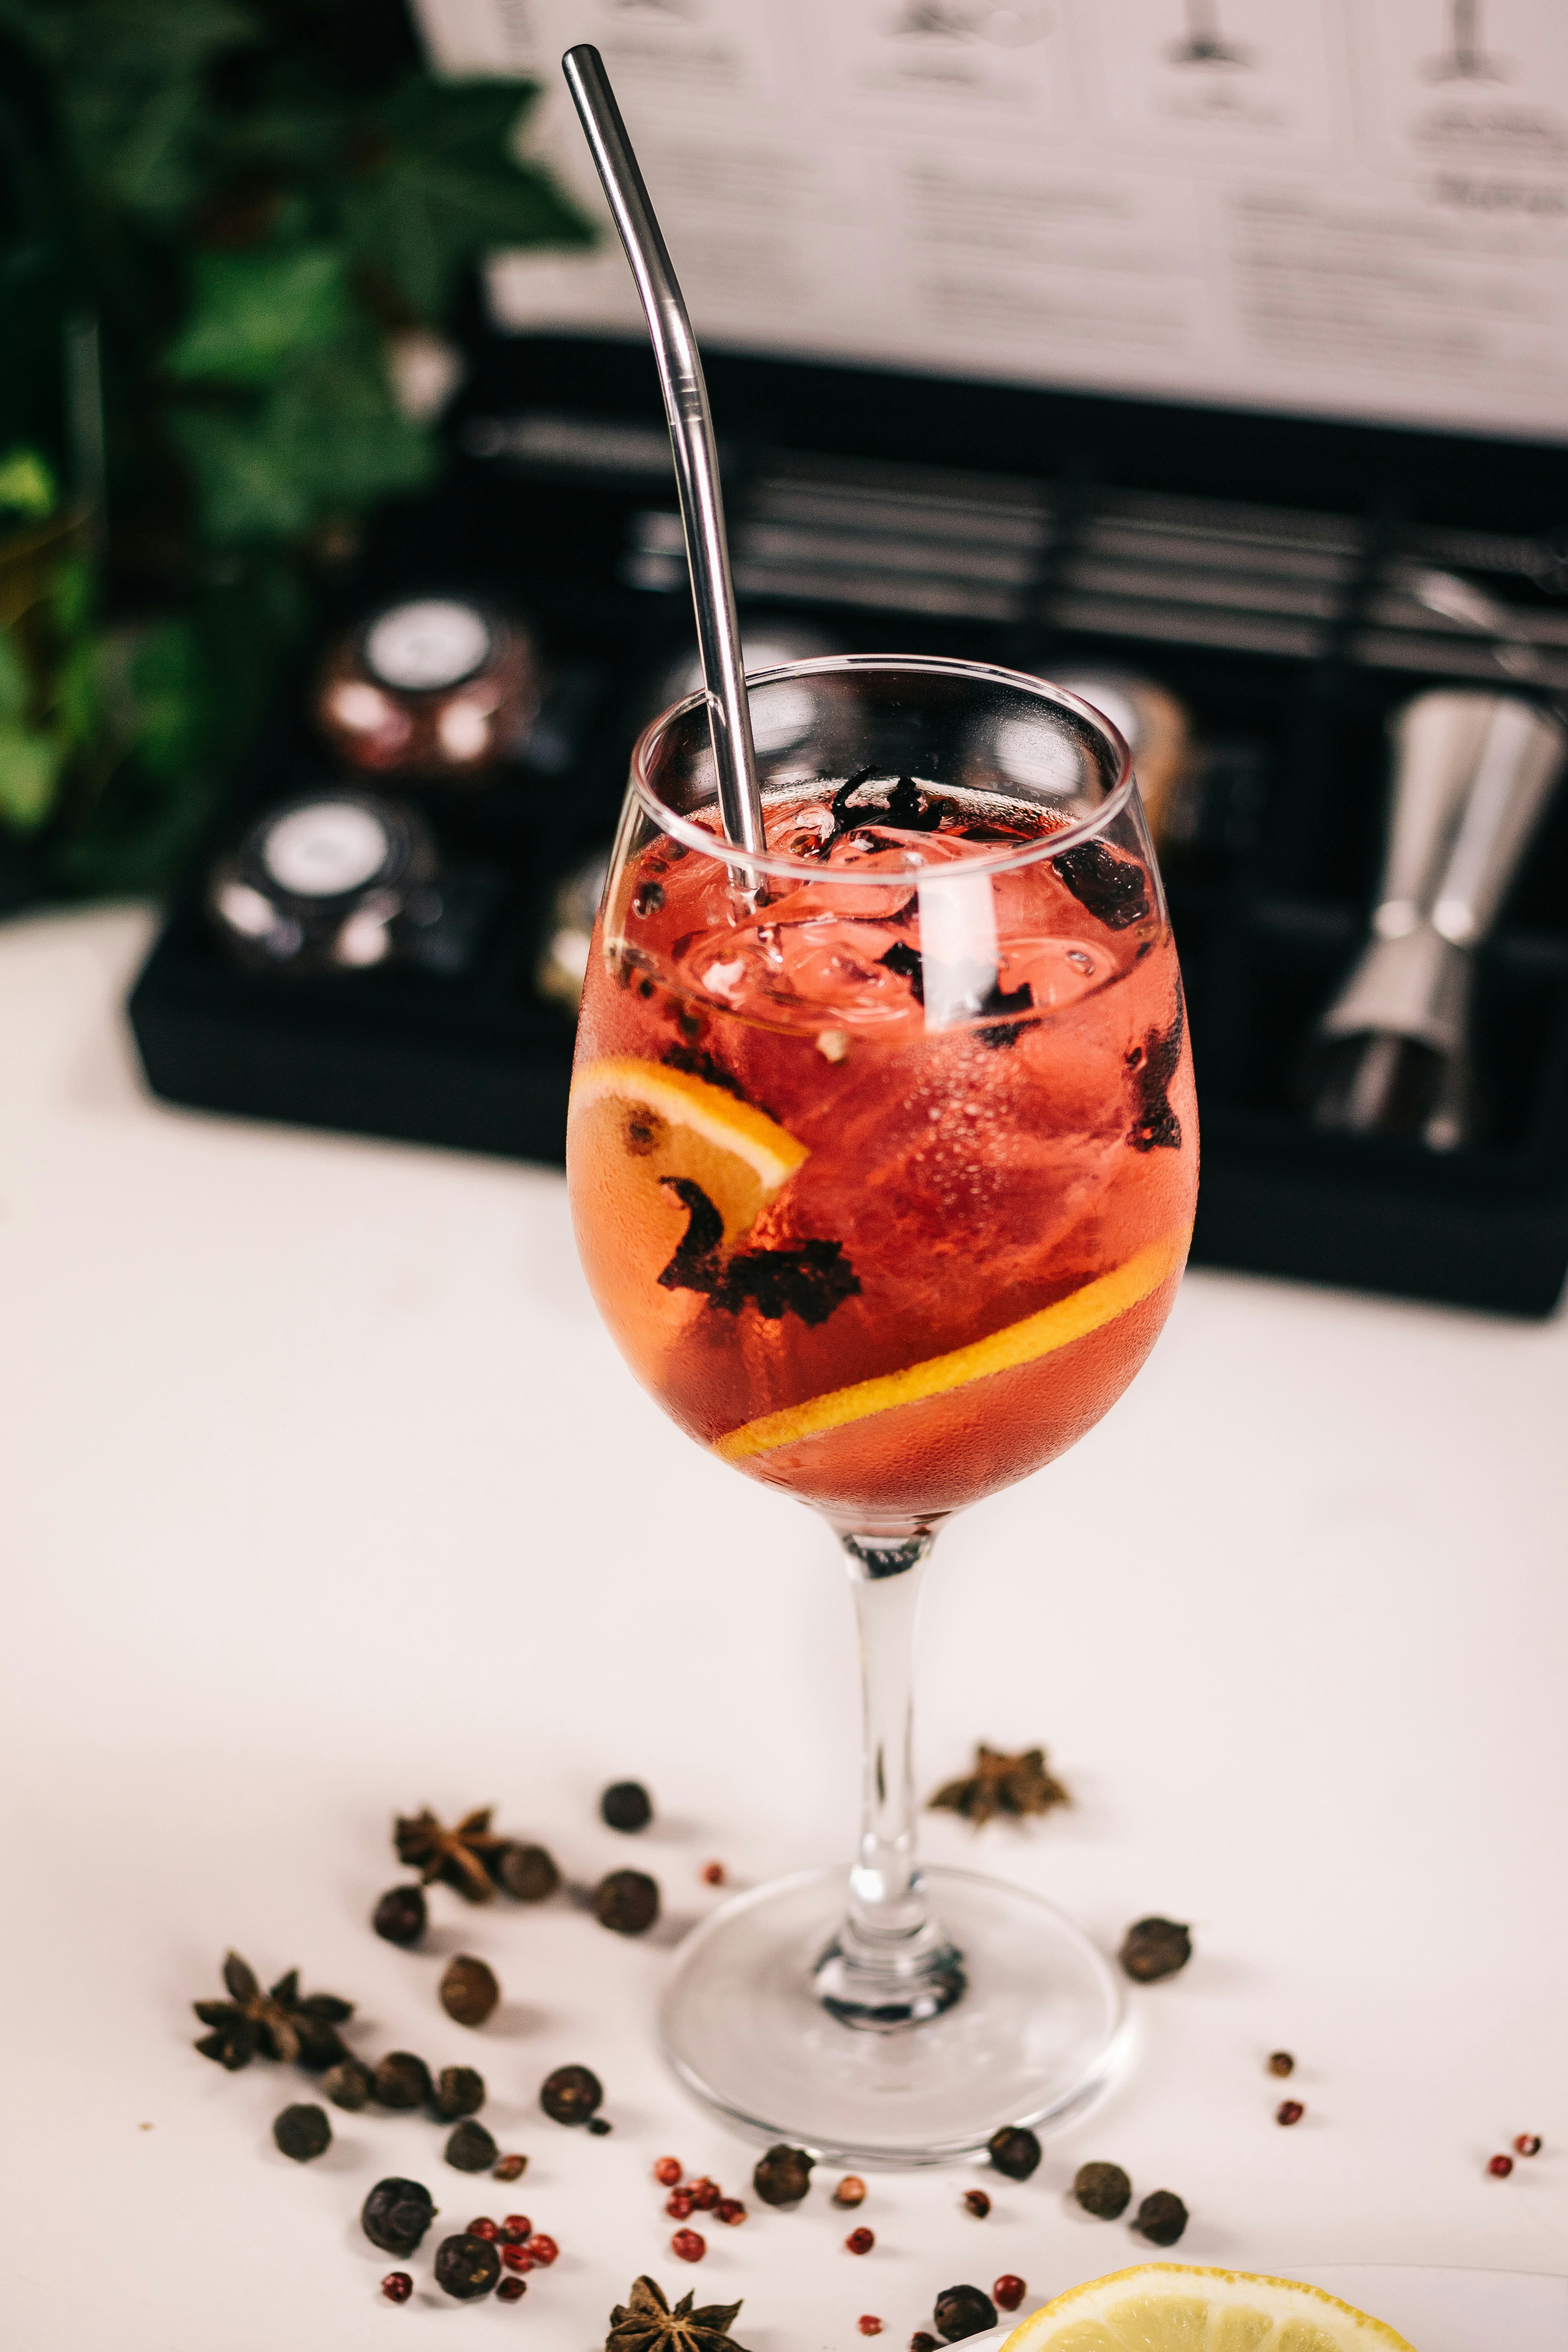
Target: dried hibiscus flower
1016,1785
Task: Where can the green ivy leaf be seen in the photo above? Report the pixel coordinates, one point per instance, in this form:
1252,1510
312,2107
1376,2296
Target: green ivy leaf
451,188
246,487
15,680
344,438
31,765
170,692
131,78
27,485
72,592
325,440
255,312
76,701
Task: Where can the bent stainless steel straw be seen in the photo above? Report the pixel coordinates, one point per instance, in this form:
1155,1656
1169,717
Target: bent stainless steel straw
691,438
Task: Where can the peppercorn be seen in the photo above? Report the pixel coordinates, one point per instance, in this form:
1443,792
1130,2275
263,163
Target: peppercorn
571,2095
402,2081
541,2249
1153,1949
783,2176
401,1914
397,2286
516,2258
860,2242
302,2133
962,2311
471,2147
713,1873
976,2201
511,2290
1288,2111
1015,2151
627,1902
397,2215
1160,2218
1009,2290
511,2168
484,2228
1528,2143
466,2267
516,2228
1281,2063
678,2205
1102,2189
627,1806
704,2193
527,1873
689,2245
730,2210
468,1990
349,2084
1500,2166
460,2091
666,2171
869,2324
920,2342
598,2126
851,2190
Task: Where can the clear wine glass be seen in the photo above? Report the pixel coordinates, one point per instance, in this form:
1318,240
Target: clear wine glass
882,1156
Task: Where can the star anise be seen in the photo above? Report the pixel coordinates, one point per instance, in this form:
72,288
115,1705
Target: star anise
457,1855
1002,1784
645,2323
277,2023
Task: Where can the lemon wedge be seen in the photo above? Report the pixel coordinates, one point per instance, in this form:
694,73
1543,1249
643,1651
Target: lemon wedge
658,1123
1083,1311
1175,2308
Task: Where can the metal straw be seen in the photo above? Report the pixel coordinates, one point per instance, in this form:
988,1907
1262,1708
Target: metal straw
691,438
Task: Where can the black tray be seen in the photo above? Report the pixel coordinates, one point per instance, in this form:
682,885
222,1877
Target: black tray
1040,530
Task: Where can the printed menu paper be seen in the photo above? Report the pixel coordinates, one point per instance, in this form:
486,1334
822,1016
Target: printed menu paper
1343,207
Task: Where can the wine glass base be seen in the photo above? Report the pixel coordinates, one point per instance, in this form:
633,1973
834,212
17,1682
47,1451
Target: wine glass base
1040,2034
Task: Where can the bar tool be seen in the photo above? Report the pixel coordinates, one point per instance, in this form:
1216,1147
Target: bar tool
1472,774
692,439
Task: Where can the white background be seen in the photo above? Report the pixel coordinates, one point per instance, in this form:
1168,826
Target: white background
1341,211
324,1494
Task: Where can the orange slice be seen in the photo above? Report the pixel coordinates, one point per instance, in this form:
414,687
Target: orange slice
1176,2307
656,1123
1072,1318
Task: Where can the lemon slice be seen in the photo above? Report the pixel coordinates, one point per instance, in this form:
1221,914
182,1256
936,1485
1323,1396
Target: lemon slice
1081,1311
661,1123
1175,2308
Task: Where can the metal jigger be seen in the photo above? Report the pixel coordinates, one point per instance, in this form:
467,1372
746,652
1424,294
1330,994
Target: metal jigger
1472,773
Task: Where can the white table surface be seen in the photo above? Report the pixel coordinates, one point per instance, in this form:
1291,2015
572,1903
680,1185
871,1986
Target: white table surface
325,1494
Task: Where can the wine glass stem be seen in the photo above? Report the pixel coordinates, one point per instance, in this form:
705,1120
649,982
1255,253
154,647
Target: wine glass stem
890,1965
885,1898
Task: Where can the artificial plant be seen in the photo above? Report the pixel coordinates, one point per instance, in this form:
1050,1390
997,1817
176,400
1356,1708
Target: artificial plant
244,219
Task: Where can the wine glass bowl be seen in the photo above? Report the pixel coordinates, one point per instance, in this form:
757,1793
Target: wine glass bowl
882,1156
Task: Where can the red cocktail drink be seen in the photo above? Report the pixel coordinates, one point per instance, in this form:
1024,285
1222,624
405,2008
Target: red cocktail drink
885,1266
